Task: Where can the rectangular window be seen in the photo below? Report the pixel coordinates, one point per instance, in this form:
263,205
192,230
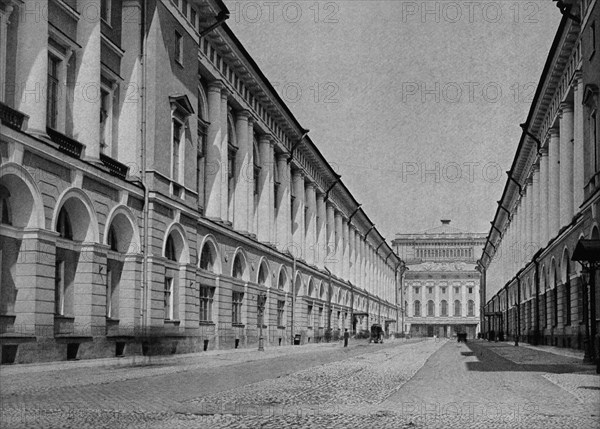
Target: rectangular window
109,291
470,290
592,39
309,315
178,48
416,289
193,19
105,10
594,138
176,147
280,311
236,307
168,298
105,123
321,320
443,290
276,187
206,302
184,8
59,288
53,88
457,289
430,290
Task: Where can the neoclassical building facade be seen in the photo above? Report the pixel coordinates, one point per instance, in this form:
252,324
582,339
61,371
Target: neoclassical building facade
441,283
535,290
157,195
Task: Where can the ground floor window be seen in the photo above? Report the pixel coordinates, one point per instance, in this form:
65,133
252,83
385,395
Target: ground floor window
206,301
280,310
236,307
168,298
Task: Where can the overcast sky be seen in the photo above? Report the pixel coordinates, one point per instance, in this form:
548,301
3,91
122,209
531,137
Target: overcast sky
416,104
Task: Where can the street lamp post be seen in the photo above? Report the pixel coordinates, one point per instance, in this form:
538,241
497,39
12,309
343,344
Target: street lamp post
587,253
262,299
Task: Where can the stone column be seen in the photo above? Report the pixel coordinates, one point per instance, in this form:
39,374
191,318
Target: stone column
252,205
578,148
338,244
345,249
265,189
543,199
566,164
32,65
225,215
321,245
86,98
298,214
243,171
530,220
330,253
213,153
535,212
310,222
352,263
4,21
283,215
129,113
554,184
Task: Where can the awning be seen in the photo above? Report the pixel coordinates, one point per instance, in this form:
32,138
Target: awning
587,251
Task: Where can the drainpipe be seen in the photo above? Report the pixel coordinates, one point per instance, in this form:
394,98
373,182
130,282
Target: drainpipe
293,294
145,226
536,334
518,312
329,300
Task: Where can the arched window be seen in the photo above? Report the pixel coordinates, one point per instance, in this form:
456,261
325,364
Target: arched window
471,308
112,239
282,279
430,308
207,258
262,275
444,309
5,215
238,267
63,226
417,309
457,311
170,253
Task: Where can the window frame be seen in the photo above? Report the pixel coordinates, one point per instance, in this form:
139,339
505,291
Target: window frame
280,312
237,300
178,52
168,298
106,11
206,299
59,287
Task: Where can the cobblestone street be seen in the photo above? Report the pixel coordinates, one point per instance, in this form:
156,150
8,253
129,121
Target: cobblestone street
397,384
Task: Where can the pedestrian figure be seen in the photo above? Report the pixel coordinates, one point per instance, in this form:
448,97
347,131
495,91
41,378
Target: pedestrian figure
346,336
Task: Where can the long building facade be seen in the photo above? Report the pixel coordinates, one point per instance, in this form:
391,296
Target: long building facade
536,291
157,195
440,284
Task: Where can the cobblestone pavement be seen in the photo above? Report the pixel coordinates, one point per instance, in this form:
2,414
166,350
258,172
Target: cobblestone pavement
424,384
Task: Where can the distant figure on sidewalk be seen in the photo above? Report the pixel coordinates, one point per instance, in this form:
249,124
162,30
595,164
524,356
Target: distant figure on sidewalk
346,336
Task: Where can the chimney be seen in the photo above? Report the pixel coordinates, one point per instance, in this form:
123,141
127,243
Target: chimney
445,221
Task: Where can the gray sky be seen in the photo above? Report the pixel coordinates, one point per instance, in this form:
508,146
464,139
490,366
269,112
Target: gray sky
416,104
